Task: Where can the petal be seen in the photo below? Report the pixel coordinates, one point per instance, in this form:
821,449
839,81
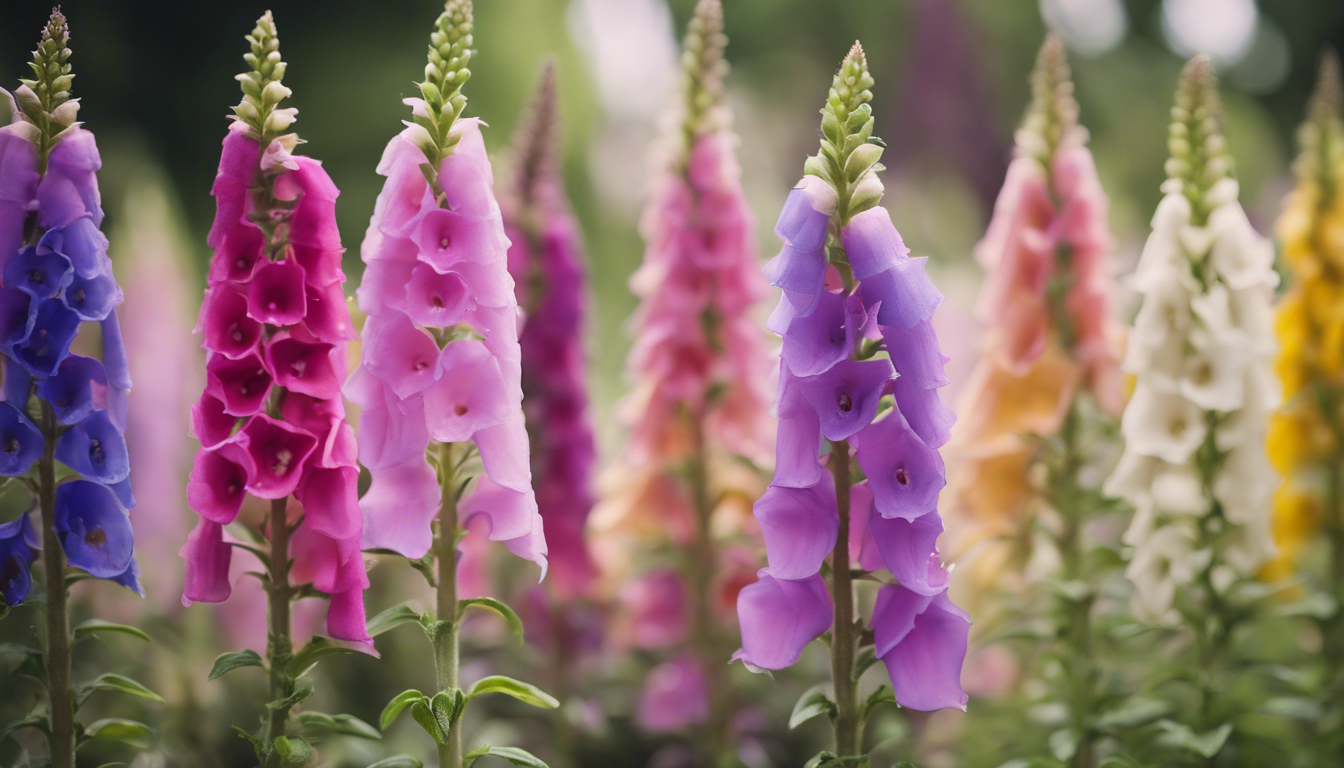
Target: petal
872,243
779,617
799,526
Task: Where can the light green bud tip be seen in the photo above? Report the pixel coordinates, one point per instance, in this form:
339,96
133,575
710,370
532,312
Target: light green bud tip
445,74
1199,156
1053,112
261,86
1322,135
704,68
848,159
44,100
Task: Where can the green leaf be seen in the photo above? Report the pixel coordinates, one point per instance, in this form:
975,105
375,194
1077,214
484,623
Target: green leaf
524,692
1293,708
391,618
303,690
1134,712
1064,744
94,626
227,662
293,751
883,695
491,604
37,718
116,684
447,707
512,754
130,732
398,761
812,703
318,648
1180,736
348,725
397,705
425,717
867,658
257,744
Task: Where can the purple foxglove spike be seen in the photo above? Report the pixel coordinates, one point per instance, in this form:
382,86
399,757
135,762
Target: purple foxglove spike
38,274
401,355
922,639
53,329
872,243
227,328
916,354
905,292
20,441
806,214
242,385
675,696
93,528
92,298
95,449
303,367
782,316
779,617
81,244
924,410
16,554
800,274
17,317
211,424
279,452
905,474
276,294
219,480
330,501
846,397
909,548
207,571
813,344
798,441
18,188
399,506
123,492
799,526
77,390
469,397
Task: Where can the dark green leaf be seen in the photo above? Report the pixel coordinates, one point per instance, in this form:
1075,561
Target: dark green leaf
35,719
1293,708
425,717
391,618
812,703
398,761
320,647
93,626
348,725
227,662
447,707
883,695
116,684
491,604
130,732
512,754
524,692
397,705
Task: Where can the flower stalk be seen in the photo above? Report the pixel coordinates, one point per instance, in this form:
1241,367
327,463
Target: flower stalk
447,628
61,739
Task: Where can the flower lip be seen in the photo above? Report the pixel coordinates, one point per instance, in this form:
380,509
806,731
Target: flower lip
278,452
847,396
242,385
228,328
82,244
92,298
302,366
94,530
905,474
16,559
95,449
238,256
20,441
445,238
49,340
276,294
219,480
41,275
799,526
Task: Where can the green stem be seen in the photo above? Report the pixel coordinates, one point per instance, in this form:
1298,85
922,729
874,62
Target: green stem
446,651
844,641
279,640
700,573
1078,632
61,739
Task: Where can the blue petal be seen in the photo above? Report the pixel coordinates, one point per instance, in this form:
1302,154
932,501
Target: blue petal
94,529
96,449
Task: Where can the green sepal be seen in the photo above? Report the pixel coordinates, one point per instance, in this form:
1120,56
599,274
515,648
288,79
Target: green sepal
524,692
883,695
258,745
512,754
227,662
258,552
348,725
497,607
391,618
115,729
812,703
397,705
117,684
292,751
94,626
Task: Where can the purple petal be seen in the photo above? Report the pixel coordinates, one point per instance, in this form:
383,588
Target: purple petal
924,410
905,474
872,243
814,343
909,548
94,529
800,274
922,640
798,440
846,397
799,526
779,617
803,220
399,506
207,571
906,294
916,354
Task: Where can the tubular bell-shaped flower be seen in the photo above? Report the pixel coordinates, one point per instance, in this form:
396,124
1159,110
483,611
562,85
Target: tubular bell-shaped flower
861,368
700,369
1304,440
1200,353
271,421
1045,308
